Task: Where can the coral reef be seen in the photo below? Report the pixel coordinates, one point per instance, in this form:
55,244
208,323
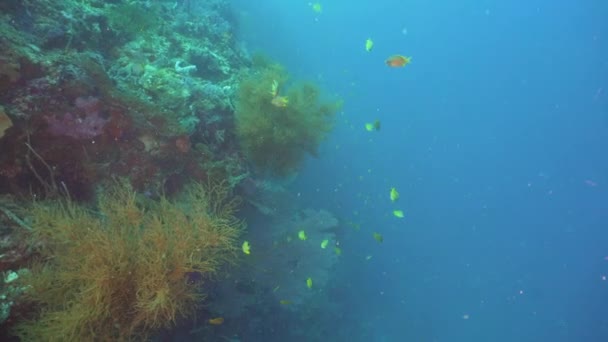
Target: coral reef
90,90
130,267
10,291
158,94
277,136
14,253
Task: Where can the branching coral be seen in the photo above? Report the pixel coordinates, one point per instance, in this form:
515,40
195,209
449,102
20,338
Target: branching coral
127,270
276,138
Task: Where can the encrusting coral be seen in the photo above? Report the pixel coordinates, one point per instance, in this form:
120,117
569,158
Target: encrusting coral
129,268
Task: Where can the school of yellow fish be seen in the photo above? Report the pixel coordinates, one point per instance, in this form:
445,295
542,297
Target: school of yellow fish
393,61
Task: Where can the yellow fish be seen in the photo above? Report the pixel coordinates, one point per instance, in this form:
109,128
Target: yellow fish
338,251
324,243
284,302
216,321
394,195
317,7
280,101
246,248
274,90
302,235
309,282
398,213
372,126
369,45
378,237
277,101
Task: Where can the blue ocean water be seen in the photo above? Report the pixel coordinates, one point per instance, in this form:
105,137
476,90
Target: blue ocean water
495,136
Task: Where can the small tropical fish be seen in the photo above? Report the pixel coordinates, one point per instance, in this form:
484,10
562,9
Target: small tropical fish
394,195
324,243
284,302
274,90
398,61
309,282
398,213
368,257
316,7
302,235
375,126
277,101
338,251
369,45
216,321
378,237
246,248
280,101
276,288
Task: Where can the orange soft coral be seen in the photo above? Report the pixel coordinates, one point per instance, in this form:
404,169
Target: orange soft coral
122,272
